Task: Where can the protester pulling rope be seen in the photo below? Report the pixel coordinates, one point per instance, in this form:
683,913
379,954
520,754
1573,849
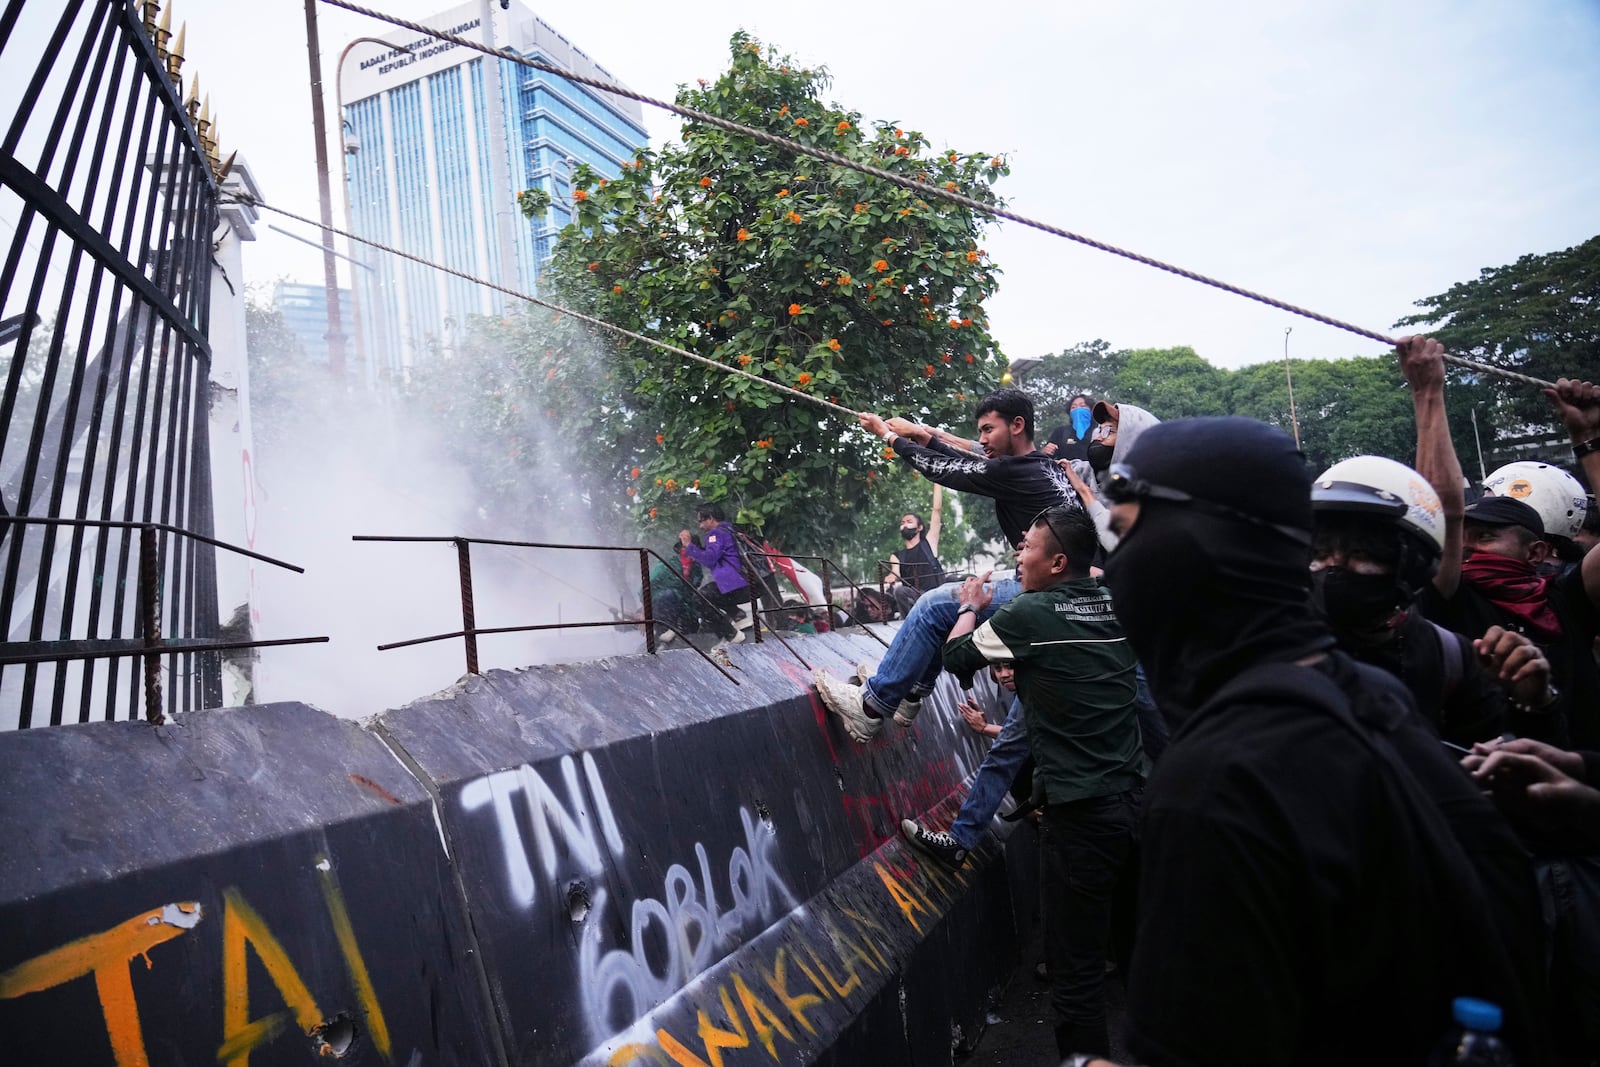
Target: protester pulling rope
580,316
912,184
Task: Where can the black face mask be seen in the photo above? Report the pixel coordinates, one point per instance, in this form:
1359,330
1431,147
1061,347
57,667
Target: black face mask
1354,602
1100,455
1201,597
908,533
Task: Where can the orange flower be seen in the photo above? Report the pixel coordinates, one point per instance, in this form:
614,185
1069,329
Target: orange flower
950,186
902,150
927,372
945,358
616,288
904,212
634,472
744,359
880,264
671,485
860,208
843,127
793,216
969,357
594,266
888,322
844,279
661,438
801,122
995,162
972,257
782,111
833,344
955,324
604,182
952,157
652,513
696,484
888,453
804,379
743,234
705,183
924,300
966,322
898,132
795,309
632,491
579,195
782,193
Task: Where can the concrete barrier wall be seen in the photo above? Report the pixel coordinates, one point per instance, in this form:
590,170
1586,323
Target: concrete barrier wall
627,861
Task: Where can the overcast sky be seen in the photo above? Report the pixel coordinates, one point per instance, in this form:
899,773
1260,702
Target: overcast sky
1350,157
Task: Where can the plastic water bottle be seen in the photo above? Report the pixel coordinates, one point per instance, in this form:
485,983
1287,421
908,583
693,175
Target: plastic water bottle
1477,1042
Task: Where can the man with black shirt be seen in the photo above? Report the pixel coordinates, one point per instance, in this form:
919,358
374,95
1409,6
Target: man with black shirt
1075,678
1376,544
915,568
1494,580
1021,480
1070,440
1319,878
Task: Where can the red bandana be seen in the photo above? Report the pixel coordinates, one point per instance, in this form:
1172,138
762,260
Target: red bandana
1511,586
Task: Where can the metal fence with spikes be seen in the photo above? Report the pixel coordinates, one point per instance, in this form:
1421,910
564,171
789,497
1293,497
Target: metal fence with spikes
109,178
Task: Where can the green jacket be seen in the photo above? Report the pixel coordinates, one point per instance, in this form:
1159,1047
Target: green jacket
1076,679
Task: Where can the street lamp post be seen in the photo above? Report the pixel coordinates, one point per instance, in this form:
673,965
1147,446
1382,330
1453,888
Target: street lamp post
1288,377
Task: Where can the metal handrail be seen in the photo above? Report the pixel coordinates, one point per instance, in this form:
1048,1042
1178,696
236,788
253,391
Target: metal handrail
470,631
151,647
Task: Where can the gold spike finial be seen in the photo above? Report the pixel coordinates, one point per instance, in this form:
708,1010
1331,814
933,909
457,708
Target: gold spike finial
222,171
175,55
164,33
147,14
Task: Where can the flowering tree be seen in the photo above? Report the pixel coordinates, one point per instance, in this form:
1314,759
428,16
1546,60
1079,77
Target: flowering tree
814,275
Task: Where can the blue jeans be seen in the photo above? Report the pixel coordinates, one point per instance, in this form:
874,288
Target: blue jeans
995,775
912,663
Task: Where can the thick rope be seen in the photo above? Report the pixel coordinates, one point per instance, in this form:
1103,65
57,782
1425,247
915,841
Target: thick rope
580,316
915,186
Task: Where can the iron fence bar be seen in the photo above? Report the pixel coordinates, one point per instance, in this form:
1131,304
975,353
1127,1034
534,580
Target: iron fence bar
492,630
122,524
53,207
30,96
8,22
827,588
124,647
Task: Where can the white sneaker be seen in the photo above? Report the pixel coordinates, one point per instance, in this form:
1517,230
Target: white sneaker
865,670
738,636
907,712
845,701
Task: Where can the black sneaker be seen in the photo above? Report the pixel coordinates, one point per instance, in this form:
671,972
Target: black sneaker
936,843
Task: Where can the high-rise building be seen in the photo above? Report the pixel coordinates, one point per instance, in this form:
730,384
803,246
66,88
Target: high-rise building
305,311
421,128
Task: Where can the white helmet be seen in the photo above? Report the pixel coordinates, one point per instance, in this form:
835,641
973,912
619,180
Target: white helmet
1380,486
1557,496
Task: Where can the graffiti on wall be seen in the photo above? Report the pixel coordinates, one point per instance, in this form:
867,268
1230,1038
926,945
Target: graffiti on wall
704,910
107,957
774,998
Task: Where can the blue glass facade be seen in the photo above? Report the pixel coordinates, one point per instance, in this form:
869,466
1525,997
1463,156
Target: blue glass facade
305,311
422,178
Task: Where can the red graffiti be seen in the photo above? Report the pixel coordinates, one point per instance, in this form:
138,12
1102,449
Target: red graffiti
876,816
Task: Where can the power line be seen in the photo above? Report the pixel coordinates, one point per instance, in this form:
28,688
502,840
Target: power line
580,316
912,184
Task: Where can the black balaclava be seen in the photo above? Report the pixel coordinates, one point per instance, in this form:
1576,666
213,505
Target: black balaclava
1203,595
